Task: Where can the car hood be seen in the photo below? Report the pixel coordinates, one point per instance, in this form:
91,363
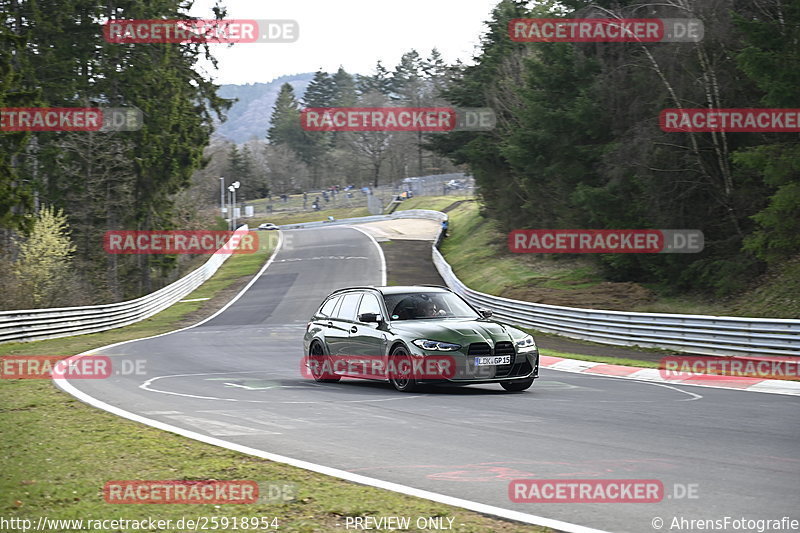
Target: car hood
456,331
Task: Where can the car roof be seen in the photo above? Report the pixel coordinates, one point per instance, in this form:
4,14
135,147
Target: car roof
398,289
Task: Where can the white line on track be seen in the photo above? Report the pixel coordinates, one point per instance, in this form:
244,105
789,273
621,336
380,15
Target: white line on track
672,387
477,507
148,386
693,395
334,472
380,251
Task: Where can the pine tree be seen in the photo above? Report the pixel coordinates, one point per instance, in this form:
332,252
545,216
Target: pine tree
406,81
380,82
771,58
16,199
320,91
344,89
285,126
72,64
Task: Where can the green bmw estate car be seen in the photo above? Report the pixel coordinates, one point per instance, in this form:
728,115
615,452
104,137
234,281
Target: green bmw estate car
412,336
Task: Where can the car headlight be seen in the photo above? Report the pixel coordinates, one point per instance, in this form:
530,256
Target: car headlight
526,344
434,346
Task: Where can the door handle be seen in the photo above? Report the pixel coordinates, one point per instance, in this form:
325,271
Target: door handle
329,324
353,329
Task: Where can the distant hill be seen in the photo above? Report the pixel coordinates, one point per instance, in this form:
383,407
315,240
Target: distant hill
249,117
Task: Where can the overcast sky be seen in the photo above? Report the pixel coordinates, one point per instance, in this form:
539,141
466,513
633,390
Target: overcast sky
350,33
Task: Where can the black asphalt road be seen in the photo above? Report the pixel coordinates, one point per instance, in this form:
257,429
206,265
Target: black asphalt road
237,378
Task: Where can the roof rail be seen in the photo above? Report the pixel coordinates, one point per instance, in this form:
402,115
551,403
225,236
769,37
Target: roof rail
357,287
434,285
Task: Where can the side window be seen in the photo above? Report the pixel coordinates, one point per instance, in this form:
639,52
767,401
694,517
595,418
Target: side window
369,304
327,307
347,311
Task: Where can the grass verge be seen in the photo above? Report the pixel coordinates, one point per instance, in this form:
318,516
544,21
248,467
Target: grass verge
477,251
600,359
474,250
437,203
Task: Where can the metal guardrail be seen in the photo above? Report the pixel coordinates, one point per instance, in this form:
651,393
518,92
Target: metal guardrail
50,323
701,334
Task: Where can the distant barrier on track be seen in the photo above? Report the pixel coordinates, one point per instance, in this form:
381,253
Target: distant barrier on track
50,323
411,213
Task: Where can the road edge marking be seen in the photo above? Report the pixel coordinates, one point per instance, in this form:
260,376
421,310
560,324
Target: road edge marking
380,251
469,505
508,514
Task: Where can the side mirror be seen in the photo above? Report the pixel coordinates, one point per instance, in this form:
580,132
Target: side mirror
370,317
485,313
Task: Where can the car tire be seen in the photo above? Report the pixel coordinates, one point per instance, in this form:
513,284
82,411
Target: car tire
408,384
516,386
315,352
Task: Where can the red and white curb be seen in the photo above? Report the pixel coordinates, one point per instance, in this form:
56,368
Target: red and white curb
753,384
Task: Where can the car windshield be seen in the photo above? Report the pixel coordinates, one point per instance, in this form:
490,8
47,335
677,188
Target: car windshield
426,305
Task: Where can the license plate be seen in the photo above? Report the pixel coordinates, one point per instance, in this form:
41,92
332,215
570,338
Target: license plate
493,360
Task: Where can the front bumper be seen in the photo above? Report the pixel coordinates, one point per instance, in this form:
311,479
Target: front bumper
523,366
